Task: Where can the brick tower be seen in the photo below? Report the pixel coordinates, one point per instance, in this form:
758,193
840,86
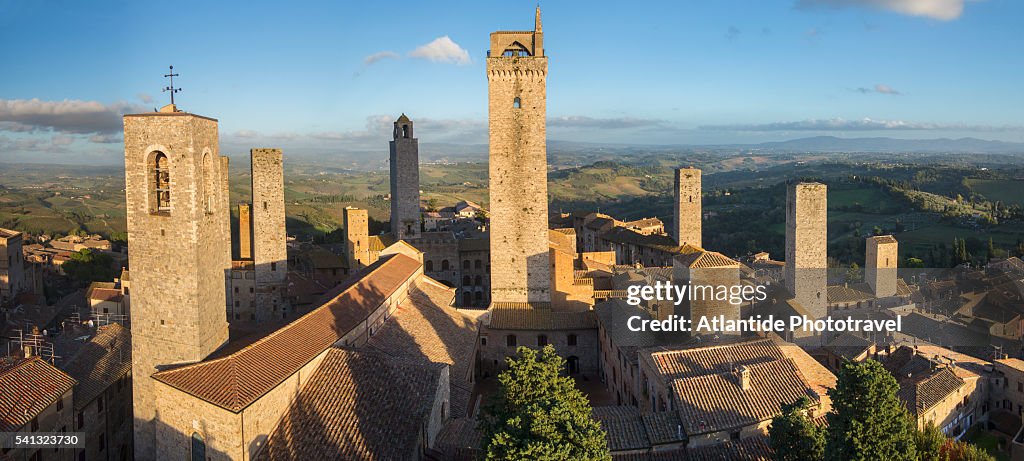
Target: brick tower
880,268
178,247
807,246
269,245
517,78
405,181
686,220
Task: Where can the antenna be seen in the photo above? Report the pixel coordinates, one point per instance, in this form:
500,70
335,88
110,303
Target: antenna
171,88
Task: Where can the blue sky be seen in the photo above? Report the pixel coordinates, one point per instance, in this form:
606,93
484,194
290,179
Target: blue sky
323,77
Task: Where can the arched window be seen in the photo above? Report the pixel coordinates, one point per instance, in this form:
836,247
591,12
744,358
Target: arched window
465,264
478,281
479,264
444,264
405,131
198,447
542,340
430,266
516,103
161,183
510,340
466,281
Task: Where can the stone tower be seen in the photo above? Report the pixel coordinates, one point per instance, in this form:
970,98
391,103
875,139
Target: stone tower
244,231
357,238
807,246
706,268
686,221
405,181
269,240
517,77
880,266
178,247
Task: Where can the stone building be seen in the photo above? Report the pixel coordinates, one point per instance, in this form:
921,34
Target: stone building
686,219
43,404
517,79
244,231
405,181
705,272
178,245
270,255
807,246
882,255
510,325
12,265
356,223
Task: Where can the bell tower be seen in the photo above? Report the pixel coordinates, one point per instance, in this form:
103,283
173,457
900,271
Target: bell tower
405,181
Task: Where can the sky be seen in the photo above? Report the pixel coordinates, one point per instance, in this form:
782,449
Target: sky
329,77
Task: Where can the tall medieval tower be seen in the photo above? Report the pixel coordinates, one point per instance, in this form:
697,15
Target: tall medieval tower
686,220
405,181
807,246
517,77
357,237
882,253
269,240
178,248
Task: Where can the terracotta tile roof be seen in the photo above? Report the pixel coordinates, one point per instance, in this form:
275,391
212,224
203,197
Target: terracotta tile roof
923,391
526,316
236,380
100,362
105,294
848,346
460,440
654,241
717,402
380,242
427,329
623,426
566,230
684,363
849,294
27,387
705,259
748,449
883,239
664,428
358,405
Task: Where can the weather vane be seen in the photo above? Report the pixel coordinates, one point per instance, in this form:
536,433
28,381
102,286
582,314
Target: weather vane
171,88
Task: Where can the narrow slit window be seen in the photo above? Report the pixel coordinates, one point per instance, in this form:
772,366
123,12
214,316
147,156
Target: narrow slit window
162,182
516,103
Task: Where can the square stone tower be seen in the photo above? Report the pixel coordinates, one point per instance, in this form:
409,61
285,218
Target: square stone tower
178,247
686,221
405,181
517,80
357,237
269,240
882,254
807,246
12,265
244,231
705,271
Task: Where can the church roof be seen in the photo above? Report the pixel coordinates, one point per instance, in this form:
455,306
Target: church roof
235,381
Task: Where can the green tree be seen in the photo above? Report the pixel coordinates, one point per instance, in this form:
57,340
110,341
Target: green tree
868,421
538,414
954,450
795,437
929,442
854,274
87,266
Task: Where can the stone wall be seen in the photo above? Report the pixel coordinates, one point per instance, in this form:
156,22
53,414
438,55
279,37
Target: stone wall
405,181
178,256
882,255
496,349
357,238
269,237
244,231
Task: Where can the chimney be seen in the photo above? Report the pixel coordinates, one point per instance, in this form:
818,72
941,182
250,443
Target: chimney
743,375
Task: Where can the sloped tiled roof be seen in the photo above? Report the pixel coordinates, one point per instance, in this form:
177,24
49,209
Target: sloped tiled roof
100,362
358,405
683,363
748,449
705,259
27,387
848,346
624,427
526,316
236,380
380,242
654,241
460,439
923,391
717,402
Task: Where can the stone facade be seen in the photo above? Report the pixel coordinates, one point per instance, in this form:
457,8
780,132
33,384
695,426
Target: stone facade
270,256
357,238
179,249
686,219
405,181
244,231
882,255
704,272
517,79
12,265
807,246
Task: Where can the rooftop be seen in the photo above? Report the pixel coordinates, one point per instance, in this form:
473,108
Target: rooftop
537,316
27,387
100,362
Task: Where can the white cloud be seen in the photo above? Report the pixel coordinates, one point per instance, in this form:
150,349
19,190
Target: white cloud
878,88
442,49
943,10
379,56
145,98
67,116
864,124
582,121
106,139
245,134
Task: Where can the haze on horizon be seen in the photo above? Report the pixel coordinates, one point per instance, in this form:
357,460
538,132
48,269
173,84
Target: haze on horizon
330,78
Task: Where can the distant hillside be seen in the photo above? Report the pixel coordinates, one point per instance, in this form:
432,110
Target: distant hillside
835,144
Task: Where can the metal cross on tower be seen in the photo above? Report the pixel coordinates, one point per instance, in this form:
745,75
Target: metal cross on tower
171,88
